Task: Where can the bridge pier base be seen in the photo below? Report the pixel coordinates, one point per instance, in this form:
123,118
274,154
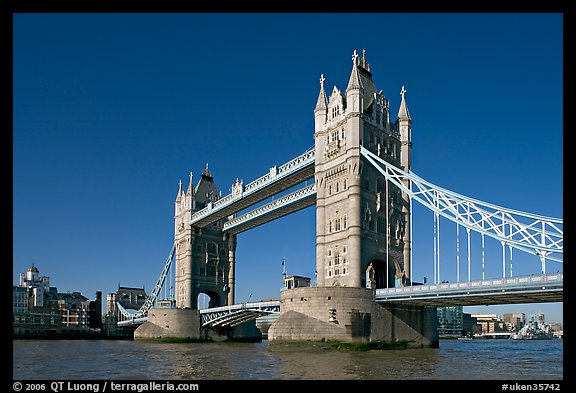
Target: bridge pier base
170,323
183,323
351,315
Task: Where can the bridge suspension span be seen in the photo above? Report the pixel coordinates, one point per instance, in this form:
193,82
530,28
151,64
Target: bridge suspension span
535,234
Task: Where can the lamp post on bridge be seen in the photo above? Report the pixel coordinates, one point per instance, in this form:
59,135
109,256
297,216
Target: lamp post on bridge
284,273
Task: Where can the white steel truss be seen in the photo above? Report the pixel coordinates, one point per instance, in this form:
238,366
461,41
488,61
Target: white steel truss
539,235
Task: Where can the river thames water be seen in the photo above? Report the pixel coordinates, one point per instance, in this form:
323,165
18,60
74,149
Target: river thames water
494,359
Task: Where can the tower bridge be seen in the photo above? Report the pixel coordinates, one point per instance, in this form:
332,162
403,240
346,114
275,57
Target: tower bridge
359,178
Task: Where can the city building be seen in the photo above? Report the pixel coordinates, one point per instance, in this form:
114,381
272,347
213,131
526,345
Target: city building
32,279
95,312
514,321
130,298
490,323
19,300
469,325
296,282
453,322
30,319
39,310
73,308
491,326
450,321
556,329
35,306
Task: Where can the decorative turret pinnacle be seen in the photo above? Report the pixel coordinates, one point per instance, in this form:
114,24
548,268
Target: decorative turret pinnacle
354,82
364,64
190,190
179,196
322,103
206,173
403,113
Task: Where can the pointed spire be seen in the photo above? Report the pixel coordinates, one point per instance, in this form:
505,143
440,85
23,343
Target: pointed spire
206,173
322,103
179,196
403,113
354,82
190,190
364,64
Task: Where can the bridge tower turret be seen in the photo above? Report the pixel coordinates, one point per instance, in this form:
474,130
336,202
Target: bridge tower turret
205,257
404,126
183,235
360,219
321,109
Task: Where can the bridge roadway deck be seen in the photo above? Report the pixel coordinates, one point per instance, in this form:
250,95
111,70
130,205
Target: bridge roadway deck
277,180
529,289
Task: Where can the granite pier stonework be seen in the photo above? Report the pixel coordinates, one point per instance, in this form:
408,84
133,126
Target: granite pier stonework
350,315
184,323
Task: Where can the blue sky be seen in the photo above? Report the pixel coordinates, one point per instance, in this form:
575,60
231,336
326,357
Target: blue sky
111,111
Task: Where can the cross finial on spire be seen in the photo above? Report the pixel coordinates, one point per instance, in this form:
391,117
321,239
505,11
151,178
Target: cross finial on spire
322,79
355,57
402,91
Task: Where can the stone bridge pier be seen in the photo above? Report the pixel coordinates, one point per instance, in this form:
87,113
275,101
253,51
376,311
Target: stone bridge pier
351,315
186,324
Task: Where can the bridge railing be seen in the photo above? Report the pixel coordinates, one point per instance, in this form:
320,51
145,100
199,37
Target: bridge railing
556,278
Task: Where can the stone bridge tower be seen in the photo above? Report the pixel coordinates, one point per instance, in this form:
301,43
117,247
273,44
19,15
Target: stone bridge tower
362,238
205,257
